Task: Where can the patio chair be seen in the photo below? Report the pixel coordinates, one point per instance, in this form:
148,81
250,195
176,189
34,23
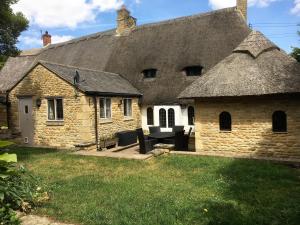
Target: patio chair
153,130
146,145
177,128
180,141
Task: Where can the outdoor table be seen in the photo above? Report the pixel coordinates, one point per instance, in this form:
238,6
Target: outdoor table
162,135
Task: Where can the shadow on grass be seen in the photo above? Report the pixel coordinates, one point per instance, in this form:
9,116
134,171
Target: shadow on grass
257,192
26,153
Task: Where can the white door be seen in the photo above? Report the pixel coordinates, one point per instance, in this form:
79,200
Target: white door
26,121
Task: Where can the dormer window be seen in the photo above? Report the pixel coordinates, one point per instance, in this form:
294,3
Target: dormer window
149,73
193,71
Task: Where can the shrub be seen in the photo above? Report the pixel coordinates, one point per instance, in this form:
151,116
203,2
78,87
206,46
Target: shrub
18,189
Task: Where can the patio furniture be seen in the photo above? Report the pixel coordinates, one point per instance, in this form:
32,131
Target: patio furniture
154,129
177,128
181,142
127,137
146,145
161,136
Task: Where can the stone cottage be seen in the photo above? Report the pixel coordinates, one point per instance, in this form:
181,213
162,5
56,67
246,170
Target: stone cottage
87,89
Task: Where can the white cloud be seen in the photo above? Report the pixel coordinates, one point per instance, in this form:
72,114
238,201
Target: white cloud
58,39
34,39
218,4
296,9
63,13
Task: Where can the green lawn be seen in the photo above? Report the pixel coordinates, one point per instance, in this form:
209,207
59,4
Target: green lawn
166,190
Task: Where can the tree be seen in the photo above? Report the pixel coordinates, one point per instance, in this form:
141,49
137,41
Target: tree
11,26
296,52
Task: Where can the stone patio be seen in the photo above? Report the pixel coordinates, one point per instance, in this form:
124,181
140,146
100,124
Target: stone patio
38,220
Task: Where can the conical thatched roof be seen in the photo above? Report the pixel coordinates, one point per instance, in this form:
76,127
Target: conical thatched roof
169,46
255,67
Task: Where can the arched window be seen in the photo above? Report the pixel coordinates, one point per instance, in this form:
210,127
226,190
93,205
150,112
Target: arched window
279,121
171,118
162,118
225,121
150,120
191,115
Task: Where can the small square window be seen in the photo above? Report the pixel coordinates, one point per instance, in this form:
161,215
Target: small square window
105,108
128,107
149,73
55,109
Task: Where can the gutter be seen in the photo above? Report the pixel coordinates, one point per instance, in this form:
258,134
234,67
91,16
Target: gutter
96,123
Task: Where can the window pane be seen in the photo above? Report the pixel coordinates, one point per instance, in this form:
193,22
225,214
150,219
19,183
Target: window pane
279,121
162,118
150,120
225,121
127,107
171,118
102,108
191,115
51,109
59,109
108,108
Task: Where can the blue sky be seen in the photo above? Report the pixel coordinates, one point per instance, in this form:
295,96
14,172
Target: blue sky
67,19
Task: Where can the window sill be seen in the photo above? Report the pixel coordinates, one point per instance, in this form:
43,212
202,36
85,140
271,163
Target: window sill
283,132
105,121
128,119
225,131
55,123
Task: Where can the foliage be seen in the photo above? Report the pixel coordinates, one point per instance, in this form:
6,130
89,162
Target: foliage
5,143
11,26
296,52
18,189
170,190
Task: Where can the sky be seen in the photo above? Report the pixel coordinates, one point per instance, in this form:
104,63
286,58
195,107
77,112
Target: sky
67,19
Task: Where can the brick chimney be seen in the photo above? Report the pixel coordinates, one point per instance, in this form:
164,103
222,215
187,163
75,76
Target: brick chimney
125,21
46,39
242,5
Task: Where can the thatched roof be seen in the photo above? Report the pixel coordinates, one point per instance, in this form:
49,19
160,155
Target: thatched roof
168,46
256,67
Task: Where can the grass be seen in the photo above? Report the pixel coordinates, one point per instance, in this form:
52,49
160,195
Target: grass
167,190
5,143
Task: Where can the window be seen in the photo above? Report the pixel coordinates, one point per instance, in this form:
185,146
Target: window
26,109
127,107
149,73
55,109
279,121
191,115
105,108
150,120
193,70
162,118
225,121
171,118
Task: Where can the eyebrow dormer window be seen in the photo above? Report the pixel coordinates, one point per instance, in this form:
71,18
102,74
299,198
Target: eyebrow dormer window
149,73
193,71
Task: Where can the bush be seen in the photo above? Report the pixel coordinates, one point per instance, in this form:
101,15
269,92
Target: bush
18,190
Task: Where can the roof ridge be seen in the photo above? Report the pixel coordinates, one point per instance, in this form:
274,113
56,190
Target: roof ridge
182,18
75,67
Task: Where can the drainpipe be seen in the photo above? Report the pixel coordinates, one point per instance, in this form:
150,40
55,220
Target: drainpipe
96,122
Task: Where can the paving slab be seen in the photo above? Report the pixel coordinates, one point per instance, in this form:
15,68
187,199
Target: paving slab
38,220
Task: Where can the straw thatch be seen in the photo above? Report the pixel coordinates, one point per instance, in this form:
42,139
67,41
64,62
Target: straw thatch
169,46
256,67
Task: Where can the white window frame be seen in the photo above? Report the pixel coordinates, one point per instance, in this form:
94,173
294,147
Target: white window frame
124,100
55,109
105,108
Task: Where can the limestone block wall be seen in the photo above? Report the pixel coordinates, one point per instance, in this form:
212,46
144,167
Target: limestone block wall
251,134
118,122
78,124
3,115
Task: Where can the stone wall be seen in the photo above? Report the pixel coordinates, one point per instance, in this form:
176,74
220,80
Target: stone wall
118,122
251,134
78,126
3,115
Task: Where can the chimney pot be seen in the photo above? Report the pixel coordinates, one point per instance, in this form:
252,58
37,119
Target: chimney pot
46,38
